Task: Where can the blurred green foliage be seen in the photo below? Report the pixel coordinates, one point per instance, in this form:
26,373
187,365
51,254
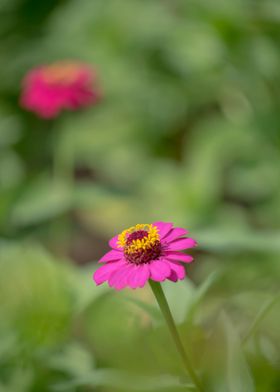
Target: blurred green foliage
187,131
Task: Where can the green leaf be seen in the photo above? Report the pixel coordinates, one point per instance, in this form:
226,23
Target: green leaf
238,374
151,310
260,316
41,201
74,359
119,379
84,289
35,300
199,294
179,297
226,239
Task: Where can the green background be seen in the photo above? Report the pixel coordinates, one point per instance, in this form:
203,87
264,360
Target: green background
188,131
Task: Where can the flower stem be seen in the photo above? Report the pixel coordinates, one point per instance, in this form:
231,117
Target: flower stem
62,166
164,307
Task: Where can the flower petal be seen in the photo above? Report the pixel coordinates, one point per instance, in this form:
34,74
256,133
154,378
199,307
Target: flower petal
163,228
181,243
118,278
139,276
104,272
178,269
159,270
178,256
174,234
173,276
112,255
113,242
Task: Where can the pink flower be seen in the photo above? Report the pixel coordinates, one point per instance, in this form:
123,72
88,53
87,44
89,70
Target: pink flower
143,252
49,89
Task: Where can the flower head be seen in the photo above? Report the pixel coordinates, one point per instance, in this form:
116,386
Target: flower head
49,89
143,252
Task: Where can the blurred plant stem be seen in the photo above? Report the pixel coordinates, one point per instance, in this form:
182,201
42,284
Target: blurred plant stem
164,307
63,166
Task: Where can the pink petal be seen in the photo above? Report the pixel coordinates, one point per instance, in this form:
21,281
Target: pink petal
181,243
178,256
178,269
104,272
173,276
175,233
159,270
113,243
118,278
163,228
110,256
139,276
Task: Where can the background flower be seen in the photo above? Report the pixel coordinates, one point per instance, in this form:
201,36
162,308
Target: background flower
65,85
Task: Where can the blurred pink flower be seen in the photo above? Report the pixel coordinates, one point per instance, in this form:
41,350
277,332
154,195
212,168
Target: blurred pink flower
143,252
49,89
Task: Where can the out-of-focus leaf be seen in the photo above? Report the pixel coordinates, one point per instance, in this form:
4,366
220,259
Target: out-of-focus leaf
8,344
179,297
112,324
118,379
21,379
84,288
35,298
101,208
11,170
150,309
239,377
9,130
74,360
270,350
260,316
43,200
237,240
199,294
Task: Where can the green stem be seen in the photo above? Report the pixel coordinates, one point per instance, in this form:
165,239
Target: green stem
164,307
62,170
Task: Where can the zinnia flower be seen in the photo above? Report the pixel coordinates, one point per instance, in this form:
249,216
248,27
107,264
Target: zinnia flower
143,252
49,89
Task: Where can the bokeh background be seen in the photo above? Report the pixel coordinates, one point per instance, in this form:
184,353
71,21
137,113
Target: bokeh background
188,130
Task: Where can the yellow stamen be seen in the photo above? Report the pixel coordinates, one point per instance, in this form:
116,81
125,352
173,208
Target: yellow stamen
138,244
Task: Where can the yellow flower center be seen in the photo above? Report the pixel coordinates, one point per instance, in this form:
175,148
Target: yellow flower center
140,243
61,73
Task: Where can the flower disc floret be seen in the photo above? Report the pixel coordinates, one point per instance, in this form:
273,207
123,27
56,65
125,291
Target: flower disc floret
140,243
148,232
